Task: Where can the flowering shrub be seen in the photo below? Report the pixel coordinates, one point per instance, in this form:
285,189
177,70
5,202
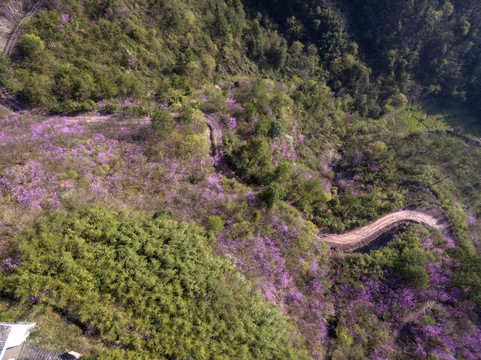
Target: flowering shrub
264,258
337,301
232,123
72,162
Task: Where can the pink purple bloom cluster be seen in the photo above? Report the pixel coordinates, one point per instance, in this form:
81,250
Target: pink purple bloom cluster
357,159
233,104
305,291
424,189
470,219
10,263
264,258
282,149
232,123
394,298
65,18
70,162
124,11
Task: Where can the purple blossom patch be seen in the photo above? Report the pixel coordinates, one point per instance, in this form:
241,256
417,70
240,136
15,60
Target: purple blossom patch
232,103
357,159
65,18
426,241
449,242
232,123
470,218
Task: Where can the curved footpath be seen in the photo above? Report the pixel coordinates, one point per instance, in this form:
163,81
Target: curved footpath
361,237
348,241
216,133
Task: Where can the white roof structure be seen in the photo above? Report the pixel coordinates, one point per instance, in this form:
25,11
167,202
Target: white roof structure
12,335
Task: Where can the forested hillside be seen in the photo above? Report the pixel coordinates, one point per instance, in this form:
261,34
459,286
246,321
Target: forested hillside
151,284
434,42
74,55
388,48
171,173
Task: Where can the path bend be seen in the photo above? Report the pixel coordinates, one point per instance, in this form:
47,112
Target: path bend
349,241
360,237
216,133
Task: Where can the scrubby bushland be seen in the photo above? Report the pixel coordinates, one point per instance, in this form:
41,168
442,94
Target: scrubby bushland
75,53
300,113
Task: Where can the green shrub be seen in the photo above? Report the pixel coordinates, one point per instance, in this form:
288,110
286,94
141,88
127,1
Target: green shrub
162,122
272,194
276,129
5,72
30,46
215,225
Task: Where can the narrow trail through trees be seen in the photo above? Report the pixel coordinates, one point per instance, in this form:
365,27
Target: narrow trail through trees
7,96
359,237
216,133
362,236
9,99
348,241
215,127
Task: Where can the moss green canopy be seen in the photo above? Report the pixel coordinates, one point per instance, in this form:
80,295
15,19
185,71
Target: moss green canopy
152,284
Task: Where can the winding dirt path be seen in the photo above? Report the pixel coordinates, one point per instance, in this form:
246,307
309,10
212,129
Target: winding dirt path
98,117
215,127
349,241
360,237
216,133
13,39
7,96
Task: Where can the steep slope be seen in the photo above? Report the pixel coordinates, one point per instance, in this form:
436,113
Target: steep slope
11,12
286,95
17,31
405,48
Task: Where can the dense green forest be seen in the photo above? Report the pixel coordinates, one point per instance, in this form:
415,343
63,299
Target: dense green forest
151,284
386,49
167,189
375,54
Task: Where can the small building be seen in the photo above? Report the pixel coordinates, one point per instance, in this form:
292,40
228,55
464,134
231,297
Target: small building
13,336
12,345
